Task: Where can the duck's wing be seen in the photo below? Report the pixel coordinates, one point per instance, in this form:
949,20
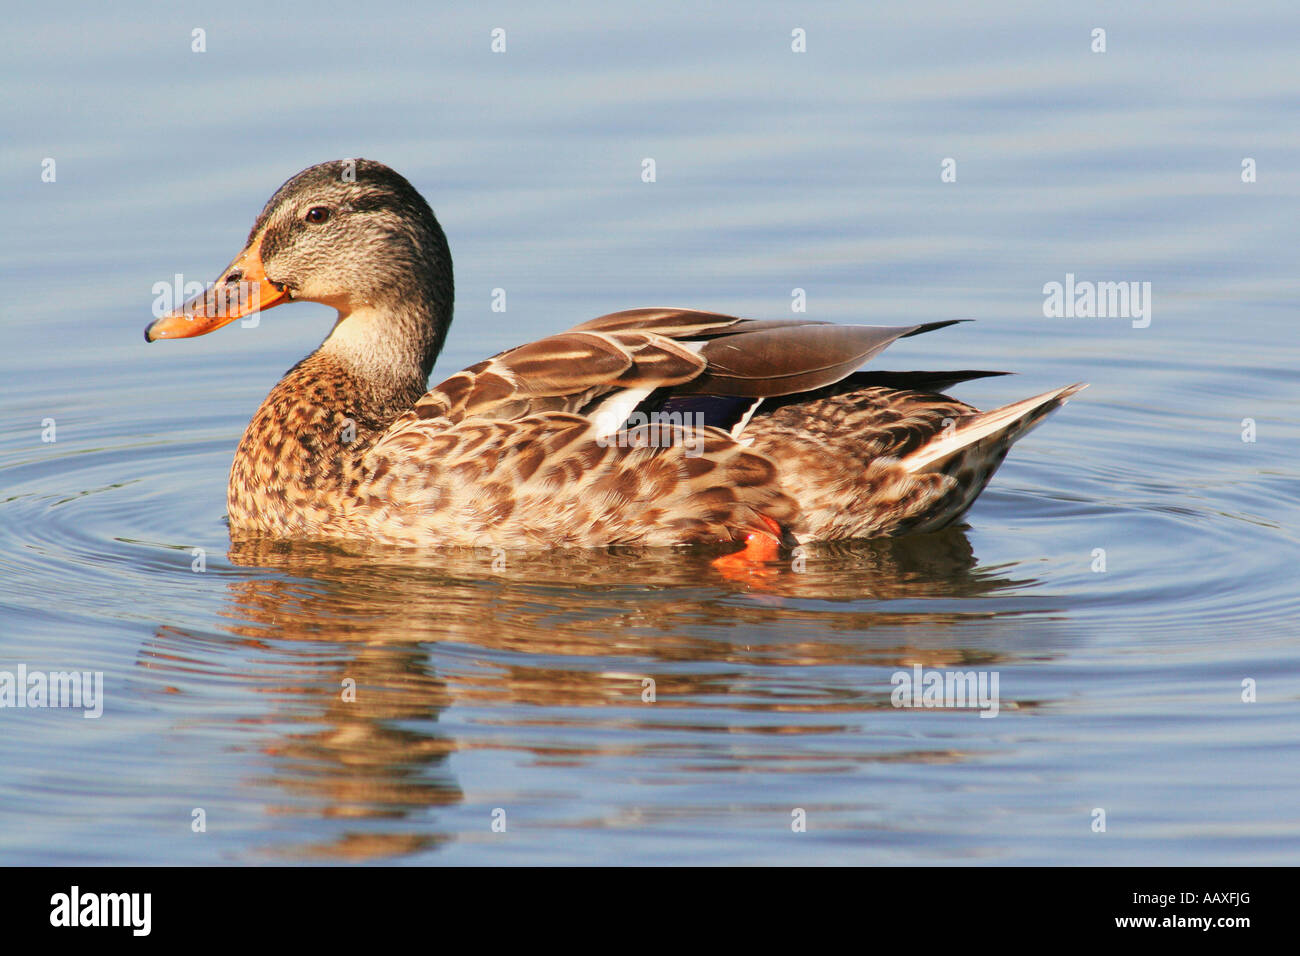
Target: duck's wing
608,367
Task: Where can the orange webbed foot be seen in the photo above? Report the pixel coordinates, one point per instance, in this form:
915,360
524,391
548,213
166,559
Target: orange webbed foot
760,548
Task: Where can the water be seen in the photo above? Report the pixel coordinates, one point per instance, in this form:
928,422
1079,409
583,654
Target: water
519,689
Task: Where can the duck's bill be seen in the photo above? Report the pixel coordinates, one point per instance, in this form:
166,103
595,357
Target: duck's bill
241,290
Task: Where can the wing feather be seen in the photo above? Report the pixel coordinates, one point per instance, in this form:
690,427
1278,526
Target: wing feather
654,354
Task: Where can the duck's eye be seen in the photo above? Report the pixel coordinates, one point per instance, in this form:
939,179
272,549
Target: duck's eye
317,214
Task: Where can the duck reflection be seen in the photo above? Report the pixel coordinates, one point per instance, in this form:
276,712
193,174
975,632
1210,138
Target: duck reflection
522,639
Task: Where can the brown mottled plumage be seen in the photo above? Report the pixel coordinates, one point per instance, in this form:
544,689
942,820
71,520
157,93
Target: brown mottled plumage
649,427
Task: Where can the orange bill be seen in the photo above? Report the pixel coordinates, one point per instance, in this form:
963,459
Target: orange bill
241,290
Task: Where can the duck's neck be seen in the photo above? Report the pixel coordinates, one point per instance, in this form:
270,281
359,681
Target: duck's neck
301,458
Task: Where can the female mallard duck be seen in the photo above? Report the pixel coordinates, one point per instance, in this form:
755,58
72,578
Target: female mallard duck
652,426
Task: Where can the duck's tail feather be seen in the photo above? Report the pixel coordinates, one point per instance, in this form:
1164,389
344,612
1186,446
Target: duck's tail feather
983,439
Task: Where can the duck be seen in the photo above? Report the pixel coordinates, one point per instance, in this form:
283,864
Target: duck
646,427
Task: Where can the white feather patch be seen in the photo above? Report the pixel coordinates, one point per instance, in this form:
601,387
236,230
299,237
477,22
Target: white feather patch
613,411
739,427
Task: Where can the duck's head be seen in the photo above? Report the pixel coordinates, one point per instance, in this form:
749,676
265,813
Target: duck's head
352,234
